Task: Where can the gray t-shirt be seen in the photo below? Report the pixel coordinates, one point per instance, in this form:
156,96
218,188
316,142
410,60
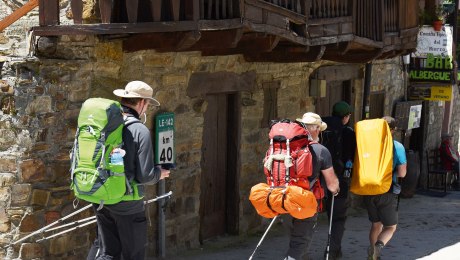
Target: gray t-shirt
322,159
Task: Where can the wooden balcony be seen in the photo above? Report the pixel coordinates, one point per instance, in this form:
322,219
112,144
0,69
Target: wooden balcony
261,30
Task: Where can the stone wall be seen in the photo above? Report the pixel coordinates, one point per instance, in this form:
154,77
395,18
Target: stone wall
388,77
39,125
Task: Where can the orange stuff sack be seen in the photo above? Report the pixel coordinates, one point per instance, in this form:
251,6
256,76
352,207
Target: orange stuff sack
277,199
293,200
300,203
258,198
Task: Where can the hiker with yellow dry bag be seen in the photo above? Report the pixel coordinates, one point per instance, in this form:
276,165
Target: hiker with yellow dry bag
379,162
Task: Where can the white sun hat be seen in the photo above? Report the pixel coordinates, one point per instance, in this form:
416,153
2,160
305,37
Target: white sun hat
312,119
137,89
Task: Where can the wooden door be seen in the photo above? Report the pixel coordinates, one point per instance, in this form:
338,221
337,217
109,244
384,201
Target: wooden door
219,192
335,91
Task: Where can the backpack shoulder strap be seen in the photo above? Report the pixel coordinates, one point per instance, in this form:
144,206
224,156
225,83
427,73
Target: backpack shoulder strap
129,120
316,176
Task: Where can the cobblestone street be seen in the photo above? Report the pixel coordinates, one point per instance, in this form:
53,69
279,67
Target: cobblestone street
428,229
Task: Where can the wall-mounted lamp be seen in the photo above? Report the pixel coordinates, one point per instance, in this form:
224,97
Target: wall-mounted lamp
406,59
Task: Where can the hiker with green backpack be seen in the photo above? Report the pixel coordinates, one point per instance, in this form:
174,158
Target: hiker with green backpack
111,161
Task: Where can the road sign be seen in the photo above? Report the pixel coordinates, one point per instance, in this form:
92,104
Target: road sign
164,138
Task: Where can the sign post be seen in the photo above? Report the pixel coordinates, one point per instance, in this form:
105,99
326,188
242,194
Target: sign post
164,153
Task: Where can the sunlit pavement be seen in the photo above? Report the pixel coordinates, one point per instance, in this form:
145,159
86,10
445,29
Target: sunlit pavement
429,228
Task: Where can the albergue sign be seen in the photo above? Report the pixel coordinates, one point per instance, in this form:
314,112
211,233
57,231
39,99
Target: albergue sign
428,75
435,68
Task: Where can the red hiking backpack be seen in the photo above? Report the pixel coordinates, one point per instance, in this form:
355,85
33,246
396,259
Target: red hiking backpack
288,168
288,159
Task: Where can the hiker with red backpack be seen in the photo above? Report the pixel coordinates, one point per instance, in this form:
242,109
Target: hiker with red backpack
122,226
301,230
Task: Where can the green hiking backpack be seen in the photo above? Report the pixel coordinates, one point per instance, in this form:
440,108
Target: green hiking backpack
94,177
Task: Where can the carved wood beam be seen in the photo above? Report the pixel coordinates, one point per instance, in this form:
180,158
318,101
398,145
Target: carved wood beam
161,42
356,56
289,35
189,39
184,41
337,49
288,54
225,39
252,42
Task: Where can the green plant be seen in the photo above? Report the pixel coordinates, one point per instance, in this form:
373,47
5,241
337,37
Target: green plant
440,13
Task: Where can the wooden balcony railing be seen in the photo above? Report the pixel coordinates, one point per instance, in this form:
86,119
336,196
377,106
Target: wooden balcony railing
386,26
374,19
330,8
155,11
316,8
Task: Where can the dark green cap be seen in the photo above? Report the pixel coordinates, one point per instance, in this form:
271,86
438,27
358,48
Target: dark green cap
341,109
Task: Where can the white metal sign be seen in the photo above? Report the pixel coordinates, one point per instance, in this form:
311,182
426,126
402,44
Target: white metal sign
436,43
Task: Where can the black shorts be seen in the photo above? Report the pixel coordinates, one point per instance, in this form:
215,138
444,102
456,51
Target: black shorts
382,208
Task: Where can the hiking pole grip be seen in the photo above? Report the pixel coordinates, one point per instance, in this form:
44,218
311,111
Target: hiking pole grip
262,239
330,229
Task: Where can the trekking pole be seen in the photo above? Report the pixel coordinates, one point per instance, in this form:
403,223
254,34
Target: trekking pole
88,221
262,239
71,223
68,230
52,224
159,197
330,228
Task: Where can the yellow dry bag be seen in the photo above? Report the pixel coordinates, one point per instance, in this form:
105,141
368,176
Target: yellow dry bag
373,164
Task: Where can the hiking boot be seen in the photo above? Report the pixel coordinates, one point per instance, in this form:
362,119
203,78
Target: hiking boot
377,251
370,253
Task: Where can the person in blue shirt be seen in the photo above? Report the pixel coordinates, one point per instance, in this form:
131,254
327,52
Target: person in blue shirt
382,208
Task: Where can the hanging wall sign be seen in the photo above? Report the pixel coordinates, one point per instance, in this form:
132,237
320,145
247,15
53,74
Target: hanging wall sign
436,43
